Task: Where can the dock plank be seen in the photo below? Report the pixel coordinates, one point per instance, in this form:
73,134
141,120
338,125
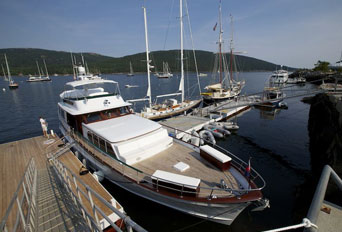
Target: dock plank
14,157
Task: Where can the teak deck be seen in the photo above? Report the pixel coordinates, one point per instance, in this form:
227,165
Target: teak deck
199,168
14,157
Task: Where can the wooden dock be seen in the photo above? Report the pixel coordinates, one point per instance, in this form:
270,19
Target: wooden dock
203,116
54,211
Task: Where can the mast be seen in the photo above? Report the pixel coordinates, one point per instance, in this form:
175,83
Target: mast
231,49
8,71
181,84
73,65
47,74
220,43
40,75
148,61
3,71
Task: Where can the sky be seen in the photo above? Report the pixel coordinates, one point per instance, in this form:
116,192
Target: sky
295,33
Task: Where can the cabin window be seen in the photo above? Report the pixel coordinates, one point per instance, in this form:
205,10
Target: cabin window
102,145
90,137
93,117
124,110
112,113
96,140
110,149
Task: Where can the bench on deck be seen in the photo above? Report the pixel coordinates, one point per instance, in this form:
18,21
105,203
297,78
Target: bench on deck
183,185
215,157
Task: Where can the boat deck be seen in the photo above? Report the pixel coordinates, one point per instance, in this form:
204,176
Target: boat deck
199,168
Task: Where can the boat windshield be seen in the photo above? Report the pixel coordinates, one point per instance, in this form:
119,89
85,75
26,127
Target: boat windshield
77,90
107,114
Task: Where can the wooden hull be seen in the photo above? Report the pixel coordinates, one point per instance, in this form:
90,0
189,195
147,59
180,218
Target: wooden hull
13,86
169,114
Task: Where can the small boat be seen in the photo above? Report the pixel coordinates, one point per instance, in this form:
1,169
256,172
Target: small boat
207,136
131,86
166,71
226,125
279,76
296,80
214,131
11,83
40,77
131,73
202,75
331,87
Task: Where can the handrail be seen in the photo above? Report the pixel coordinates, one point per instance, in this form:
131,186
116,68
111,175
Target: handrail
64,172
309,223
25,210
321,189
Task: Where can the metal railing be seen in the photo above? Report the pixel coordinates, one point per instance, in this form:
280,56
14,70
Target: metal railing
321,189
310,222
22,210
74,185
146,179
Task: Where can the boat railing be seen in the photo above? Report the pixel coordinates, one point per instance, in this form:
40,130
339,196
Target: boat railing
147,180
81,193
239,164
311,222
21,212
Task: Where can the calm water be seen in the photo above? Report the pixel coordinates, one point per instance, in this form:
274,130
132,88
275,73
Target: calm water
278,145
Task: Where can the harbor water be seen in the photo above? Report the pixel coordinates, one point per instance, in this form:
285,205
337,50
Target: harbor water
277,143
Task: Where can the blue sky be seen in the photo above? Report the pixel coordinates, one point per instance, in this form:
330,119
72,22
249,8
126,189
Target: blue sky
296,33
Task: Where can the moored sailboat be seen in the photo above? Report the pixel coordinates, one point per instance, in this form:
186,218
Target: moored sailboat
170,107
166,71
226,87
11,83
131,73
41,74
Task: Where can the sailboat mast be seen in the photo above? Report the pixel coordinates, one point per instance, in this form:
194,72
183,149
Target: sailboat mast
147,62
40,75
220,43
231,49
181,84
3,71
73,65
47,74
8,71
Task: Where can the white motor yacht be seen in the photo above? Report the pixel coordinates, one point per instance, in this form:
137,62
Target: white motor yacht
138,155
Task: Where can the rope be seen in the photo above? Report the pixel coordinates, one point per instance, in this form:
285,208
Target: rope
305,223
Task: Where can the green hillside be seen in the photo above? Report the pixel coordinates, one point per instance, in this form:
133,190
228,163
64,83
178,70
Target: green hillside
22,60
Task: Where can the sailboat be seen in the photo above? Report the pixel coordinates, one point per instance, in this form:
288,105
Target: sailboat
226,87
131,73
166,71
41,73
11,83
170,107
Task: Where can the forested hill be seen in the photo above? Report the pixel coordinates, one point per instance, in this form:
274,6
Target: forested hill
23,60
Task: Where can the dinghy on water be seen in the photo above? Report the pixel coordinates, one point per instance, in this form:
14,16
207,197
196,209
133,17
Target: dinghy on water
206,136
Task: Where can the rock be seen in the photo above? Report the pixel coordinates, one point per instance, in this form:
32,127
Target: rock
325,133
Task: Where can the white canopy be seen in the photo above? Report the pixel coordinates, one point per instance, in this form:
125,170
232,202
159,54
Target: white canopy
123,128
89,82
